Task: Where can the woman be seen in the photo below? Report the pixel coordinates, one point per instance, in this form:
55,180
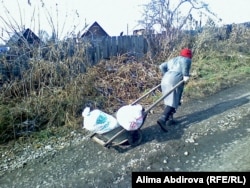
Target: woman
174,71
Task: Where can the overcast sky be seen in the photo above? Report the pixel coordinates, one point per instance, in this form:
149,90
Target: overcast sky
114,16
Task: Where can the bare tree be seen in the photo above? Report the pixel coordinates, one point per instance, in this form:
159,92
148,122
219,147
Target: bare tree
172,17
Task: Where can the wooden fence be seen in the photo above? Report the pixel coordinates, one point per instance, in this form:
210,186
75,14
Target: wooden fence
108,47
100,48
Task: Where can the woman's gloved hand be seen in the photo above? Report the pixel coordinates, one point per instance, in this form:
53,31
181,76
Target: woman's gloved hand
185,78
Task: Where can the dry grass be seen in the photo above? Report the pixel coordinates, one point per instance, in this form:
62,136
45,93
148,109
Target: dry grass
52,94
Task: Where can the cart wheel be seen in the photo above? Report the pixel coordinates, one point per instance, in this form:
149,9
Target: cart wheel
135,137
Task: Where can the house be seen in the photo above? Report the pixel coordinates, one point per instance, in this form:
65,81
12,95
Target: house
139,32
142,32
25,37
94,35
22,43
94,31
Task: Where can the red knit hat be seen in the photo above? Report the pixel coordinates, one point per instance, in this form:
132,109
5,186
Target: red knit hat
186,53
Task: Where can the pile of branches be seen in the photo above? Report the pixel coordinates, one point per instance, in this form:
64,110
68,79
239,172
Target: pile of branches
121,83
44,98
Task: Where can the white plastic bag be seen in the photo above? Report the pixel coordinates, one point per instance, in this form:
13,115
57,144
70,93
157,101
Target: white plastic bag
130,117
98,121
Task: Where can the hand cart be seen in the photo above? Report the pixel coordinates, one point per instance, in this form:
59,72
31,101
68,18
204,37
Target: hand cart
120,136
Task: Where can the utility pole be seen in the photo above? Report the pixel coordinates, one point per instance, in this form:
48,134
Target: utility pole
127,29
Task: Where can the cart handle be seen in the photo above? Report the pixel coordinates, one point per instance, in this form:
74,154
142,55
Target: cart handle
113,137
143,96
163,97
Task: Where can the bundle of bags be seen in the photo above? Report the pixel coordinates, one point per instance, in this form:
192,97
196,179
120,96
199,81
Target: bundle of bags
130,117
98,121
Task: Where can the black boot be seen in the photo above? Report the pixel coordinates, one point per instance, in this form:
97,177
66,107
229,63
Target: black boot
167,114
162,123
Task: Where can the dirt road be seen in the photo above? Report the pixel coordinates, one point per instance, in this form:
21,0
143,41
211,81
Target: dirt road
210,134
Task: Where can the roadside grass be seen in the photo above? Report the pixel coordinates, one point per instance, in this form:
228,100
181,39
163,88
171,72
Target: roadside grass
45,103
215,73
